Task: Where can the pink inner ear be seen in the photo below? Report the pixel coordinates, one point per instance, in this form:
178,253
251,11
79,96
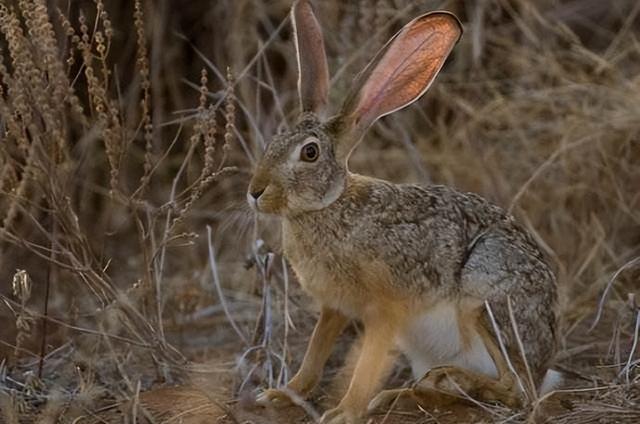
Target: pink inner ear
407,68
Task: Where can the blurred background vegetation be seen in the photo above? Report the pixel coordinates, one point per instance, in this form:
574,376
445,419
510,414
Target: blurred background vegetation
128,132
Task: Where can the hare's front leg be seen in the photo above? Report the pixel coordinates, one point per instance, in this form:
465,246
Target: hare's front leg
374,362
328,328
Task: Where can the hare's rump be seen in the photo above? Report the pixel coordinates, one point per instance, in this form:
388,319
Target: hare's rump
506,269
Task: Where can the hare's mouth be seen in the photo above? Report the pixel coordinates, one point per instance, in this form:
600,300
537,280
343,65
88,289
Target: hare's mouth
253,202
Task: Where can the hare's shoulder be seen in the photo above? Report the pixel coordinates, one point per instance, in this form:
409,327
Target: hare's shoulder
416,231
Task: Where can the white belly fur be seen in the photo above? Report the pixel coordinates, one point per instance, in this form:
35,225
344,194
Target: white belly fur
434,339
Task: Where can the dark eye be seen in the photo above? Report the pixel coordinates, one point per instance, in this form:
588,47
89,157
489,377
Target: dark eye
309,152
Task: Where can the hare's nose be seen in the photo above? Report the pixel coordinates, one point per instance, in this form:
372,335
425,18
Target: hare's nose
256,193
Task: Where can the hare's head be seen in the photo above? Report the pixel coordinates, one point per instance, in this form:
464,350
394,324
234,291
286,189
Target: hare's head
306,168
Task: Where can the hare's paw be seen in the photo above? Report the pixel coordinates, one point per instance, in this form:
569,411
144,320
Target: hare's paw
339,415
387,398
440,378
275,398
453,382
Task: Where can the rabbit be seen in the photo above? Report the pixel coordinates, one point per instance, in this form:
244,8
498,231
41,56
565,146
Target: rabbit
446,278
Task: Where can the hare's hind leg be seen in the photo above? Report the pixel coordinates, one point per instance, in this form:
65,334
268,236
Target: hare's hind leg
453,381
447,384
408,397
386,399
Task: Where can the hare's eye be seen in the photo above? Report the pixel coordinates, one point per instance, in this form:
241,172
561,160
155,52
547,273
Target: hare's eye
309,152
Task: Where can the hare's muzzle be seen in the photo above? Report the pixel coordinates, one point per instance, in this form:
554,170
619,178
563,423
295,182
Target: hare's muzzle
257,192
253,195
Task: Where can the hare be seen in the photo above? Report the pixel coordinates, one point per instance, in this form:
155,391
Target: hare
446,278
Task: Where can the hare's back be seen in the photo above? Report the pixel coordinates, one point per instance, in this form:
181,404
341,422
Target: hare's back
425,234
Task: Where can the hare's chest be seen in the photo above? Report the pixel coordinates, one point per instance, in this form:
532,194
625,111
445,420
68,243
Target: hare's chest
326,273
321,277
315,275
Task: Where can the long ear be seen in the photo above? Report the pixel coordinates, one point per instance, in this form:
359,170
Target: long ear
398,75
313,72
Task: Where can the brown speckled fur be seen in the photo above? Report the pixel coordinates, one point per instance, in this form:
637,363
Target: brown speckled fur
385,253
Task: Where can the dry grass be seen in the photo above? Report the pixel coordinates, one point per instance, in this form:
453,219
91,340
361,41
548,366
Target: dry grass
128,130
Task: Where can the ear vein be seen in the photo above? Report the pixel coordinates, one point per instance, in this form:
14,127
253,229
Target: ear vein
403,65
